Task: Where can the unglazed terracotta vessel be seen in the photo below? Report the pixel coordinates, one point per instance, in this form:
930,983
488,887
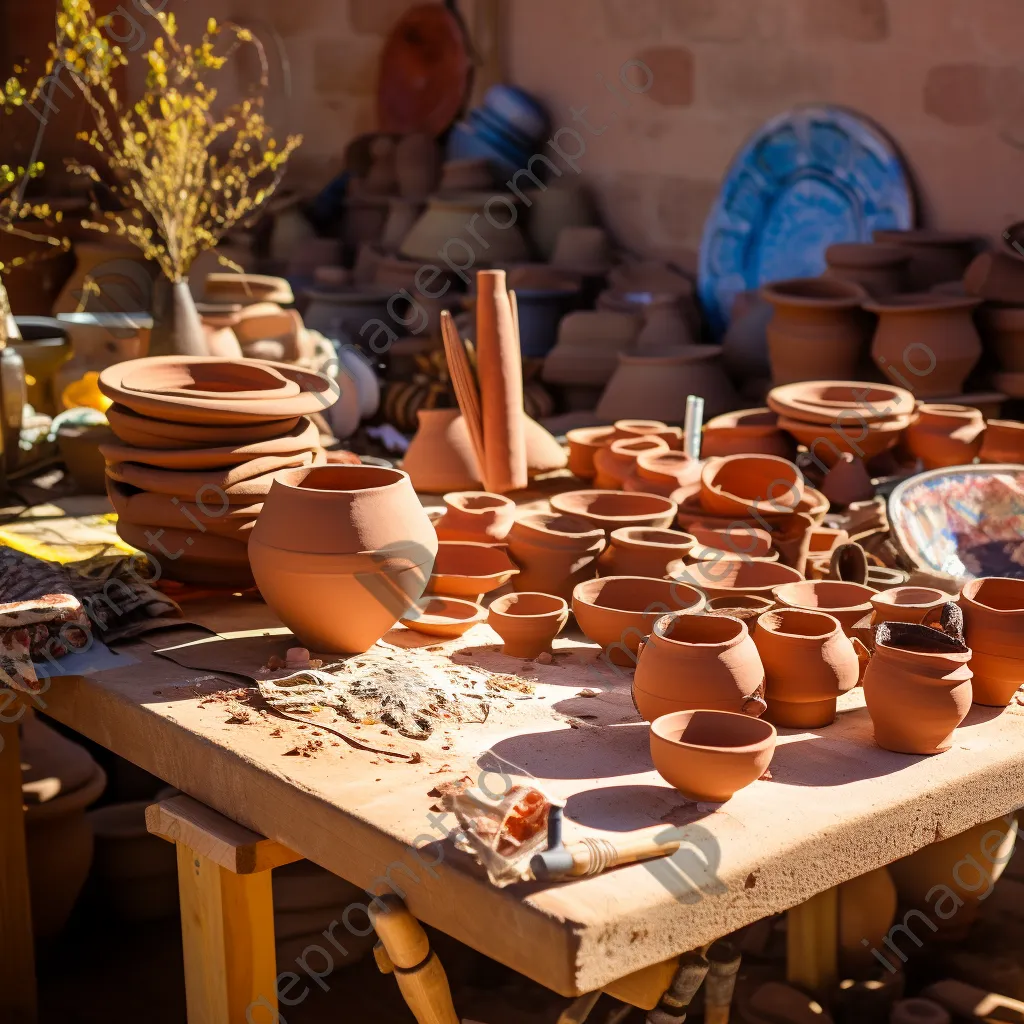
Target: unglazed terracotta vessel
476,516
617,612
732,577
554,552
808,661
672,436
617,462
743,485
638,551
910,604
994,630
817,331
996,277
935,256
848,602
917,688
662,473
1003,331
469,570
825,401
612,510
928,339
584,444
748,432
440,457
446,617
710,755
879,269
739,541
692,662
528,622
867,908
341,553
1003,441
747,609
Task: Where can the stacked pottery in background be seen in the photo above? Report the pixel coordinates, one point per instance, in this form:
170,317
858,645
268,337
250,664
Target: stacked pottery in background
997,277
201,441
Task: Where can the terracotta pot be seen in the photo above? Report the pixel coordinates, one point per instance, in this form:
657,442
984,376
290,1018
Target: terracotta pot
617,461
469,570
748,432
710,755
662,473
612,510
864,440
1003,441
817,331
927,339
693,662
847,481
746,485
440,457
638,551
190,557
917,688
617,612
848,602
880,270
935,256
588,347
448,217
825,540
909,604
867,908
792,541
528,622
476,516
740,541
657,384
554,552
994,629
147,432
672,436
664,327
747,609
732,577
827,402
447,617
996,277
828,666
1004,333
352,536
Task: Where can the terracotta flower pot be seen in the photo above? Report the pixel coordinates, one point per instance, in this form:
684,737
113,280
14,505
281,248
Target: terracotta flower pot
342,536
638,551
617,612
996,277
584,444
162,510
879,269
828,665
935,256
469,570
710,755
994,629
617,462
743,485
817,331
447,617
528,622
747,609
909,604
928,339
1003,441
732,577
695,662
917,688
554,552
612,510
848,602
440,457
748,432
662,473
1004,332
476,516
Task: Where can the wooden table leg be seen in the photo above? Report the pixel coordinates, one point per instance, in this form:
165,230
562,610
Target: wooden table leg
419,973
812,951
17,956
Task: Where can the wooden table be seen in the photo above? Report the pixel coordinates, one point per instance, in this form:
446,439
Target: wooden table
838,806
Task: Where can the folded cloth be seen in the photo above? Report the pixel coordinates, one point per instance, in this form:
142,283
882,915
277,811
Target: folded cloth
49,627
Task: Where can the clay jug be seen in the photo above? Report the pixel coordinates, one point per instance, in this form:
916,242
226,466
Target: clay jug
341,553
638,551
554,552
879,269
476,516
804,698
945,435
1003,441
693,662
917,688
528,622
994,629
440,457
928,339
618,461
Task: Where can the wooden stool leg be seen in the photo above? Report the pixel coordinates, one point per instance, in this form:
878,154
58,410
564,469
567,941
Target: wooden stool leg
17,957
812,934
419,973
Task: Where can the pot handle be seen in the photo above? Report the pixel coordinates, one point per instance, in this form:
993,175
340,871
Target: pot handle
863,656
755,705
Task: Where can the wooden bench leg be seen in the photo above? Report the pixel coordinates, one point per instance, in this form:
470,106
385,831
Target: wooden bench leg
812,937
404,950
17,957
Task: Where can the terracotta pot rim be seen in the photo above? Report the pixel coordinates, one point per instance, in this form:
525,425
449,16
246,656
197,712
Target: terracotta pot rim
971,588
679,355
774,622
500,606
456,499
671,619
651,445
627,535
923,302
765,603
659,506
1010,426
390,478
803,401
769,734
585,592
69,803
532,521
778,569
589,436
825,586
885,597
942,409
846,295
639,427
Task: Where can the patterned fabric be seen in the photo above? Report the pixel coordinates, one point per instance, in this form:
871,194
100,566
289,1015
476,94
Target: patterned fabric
49,627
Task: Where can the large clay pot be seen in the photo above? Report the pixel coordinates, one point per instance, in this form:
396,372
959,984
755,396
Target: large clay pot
748,432
710,755
935,256
945,435
804,698
617,462
848,602
612,510
440,457
750,485
636,551
994,629
927,339
917,688
476,516
1003,441
817,331
528,622
554,552
880,270
693,662
352,537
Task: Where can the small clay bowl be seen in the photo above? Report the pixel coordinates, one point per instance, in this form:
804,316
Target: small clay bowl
672,436
848,602
731,577
470,570
747,541
662,473
617,611
612,510
639,551
746,609
446,617
584,444
710,755
528,622
909,604
744,484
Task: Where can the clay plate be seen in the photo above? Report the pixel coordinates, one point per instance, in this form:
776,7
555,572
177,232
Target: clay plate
446,617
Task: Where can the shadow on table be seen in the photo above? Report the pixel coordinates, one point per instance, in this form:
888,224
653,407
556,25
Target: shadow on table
627,808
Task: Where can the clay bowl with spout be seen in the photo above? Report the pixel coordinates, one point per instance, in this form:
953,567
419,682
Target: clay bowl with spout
612,510
447,617
468,570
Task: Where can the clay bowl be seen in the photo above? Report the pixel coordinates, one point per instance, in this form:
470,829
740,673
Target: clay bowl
446,617
469,570
710,755
747,609
740,540
848,602
748,432
612,510
910,604
863,440
662,473
147,432
732,577
672,436
639,551
584,444
528,622
235,381
693,514
829,401
616,611
743,485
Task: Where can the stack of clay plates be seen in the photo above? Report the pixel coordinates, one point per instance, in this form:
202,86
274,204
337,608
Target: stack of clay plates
200,442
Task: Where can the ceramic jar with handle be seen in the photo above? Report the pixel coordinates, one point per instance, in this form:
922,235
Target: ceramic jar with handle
994,629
